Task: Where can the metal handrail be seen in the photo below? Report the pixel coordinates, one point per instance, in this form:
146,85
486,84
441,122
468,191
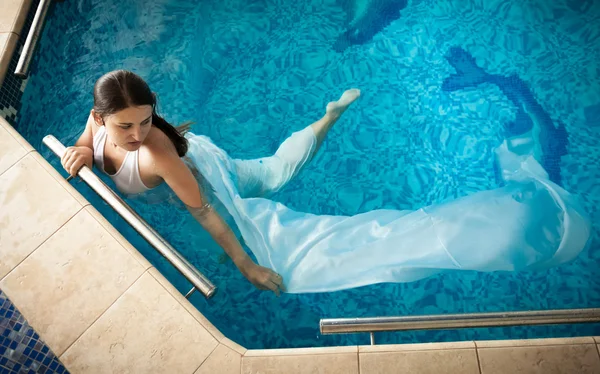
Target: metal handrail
32,38
192,274
458,321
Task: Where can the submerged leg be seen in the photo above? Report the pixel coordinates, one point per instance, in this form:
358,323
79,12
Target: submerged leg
333,112
265,176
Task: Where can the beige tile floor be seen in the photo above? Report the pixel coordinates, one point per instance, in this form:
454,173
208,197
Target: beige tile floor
102,307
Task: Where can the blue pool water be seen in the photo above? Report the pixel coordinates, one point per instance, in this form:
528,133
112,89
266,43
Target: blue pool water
251,72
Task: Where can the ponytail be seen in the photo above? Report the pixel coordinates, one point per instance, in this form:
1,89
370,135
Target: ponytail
175,134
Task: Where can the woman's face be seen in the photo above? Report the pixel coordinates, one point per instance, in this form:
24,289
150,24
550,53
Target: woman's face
129,127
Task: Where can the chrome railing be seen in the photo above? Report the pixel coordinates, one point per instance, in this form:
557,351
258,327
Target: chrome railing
32,38
458,321
200,282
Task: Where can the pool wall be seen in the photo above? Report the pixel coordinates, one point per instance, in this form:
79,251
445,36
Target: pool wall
101,307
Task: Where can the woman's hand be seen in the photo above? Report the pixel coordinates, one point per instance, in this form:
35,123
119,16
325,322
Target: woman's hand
75,157
171,168
262,277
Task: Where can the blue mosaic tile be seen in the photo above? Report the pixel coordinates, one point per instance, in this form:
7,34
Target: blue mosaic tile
21,349
11,89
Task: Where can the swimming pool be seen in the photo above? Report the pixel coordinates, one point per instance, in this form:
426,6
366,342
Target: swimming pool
251,72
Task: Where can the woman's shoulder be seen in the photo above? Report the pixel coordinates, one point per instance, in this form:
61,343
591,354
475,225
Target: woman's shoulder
158,144
157,153
157,138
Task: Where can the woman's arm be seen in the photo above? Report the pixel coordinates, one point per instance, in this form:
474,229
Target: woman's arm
178,176
82,153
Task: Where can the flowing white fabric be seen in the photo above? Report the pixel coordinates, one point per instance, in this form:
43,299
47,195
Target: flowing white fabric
529,223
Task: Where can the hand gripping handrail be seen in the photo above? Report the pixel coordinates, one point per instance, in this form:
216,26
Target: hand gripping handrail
200,282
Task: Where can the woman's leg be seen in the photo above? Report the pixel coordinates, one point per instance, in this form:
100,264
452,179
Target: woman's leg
333,112
264,176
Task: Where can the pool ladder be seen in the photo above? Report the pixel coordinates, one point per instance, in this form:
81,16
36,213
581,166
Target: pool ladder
198,280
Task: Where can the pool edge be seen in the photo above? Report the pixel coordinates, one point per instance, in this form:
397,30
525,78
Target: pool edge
211,347
191,334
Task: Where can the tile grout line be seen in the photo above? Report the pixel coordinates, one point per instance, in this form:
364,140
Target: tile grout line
42,243
59,181
478,359
206,359
22,138
358,359
241,361
597,348
16,162
187,311
115,238
101,314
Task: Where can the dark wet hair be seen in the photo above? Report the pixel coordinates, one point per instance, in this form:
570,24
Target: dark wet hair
121,89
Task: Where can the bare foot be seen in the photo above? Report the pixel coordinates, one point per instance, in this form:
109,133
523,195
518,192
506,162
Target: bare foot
336,108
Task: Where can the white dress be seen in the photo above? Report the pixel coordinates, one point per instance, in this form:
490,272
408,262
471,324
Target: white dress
530,223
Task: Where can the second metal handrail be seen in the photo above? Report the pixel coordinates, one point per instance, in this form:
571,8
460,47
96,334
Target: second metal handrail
192,274
32,38
458,321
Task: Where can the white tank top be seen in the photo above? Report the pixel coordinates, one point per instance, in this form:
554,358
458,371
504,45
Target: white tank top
127,178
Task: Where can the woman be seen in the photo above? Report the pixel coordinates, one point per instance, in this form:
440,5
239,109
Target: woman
139,150
528,223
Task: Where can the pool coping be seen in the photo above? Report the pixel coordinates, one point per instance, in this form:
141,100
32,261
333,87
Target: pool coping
126,316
